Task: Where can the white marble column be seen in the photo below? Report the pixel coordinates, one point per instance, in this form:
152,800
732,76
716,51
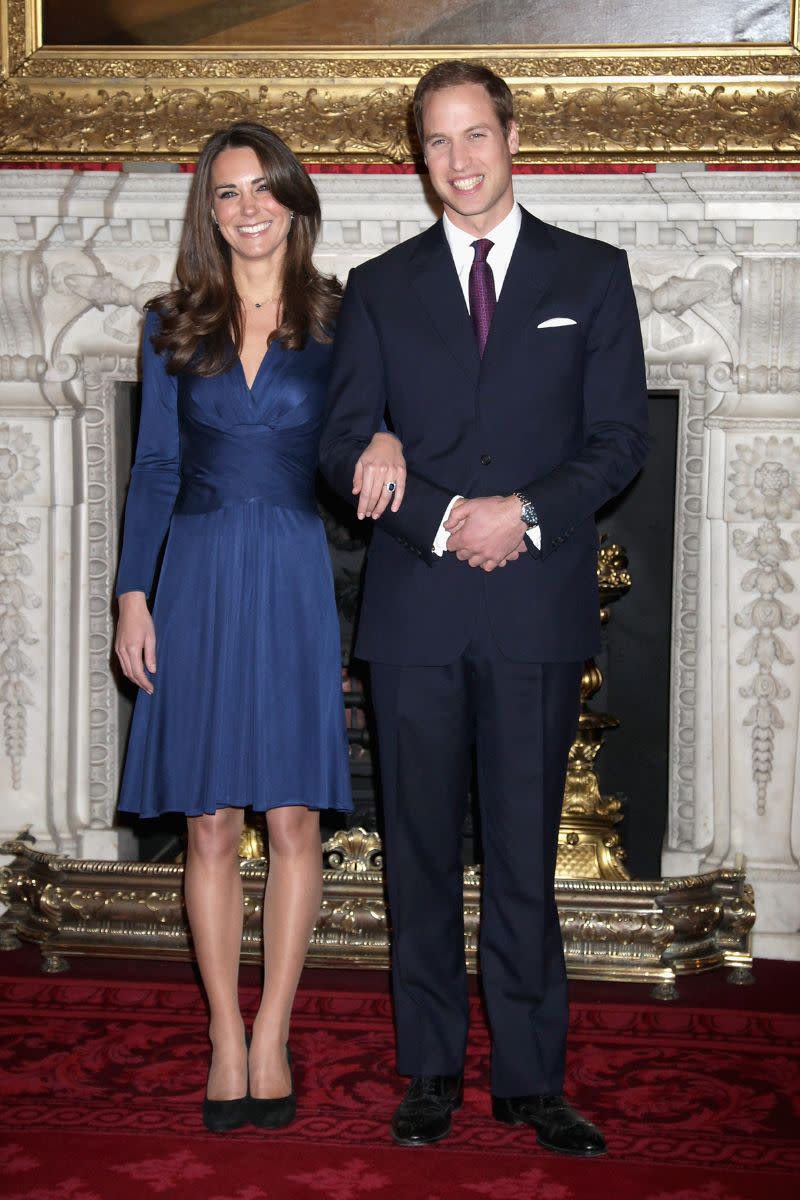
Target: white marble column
754,650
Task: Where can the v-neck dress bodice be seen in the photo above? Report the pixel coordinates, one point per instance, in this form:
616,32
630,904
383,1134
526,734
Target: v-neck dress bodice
247,705
239,443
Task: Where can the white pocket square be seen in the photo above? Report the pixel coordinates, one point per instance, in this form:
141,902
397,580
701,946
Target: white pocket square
554,321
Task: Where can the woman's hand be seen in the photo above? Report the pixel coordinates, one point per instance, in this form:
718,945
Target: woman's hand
381,463
135,644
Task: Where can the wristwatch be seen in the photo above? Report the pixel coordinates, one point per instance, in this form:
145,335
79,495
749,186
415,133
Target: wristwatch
528,513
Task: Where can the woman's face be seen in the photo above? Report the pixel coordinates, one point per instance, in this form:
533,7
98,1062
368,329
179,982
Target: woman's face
253,223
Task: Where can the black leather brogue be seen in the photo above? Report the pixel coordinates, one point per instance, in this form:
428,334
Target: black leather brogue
425,1112
559,1127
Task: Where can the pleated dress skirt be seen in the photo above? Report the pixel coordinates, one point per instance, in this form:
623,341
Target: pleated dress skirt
247,708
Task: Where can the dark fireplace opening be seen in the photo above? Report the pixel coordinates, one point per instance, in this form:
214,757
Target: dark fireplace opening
635,659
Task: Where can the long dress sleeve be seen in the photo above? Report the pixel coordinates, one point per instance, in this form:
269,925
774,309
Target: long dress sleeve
155,477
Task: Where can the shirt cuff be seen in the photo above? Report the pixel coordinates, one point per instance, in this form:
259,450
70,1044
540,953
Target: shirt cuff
442,534
535,536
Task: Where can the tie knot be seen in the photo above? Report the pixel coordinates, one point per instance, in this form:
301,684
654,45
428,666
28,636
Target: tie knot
482,248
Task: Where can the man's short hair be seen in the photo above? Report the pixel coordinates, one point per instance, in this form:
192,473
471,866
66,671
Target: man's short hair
455,72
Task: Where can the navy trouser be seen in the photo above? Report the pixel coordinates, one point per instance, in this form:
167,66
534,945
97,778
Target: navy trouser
521,719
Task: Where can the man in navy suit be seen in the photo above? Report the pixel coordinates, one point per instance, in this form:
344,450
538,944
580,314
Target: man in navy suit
506,356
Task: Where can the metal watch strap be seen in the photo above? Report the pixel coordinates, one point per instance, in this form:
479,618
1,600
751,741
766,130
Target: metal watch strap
528,513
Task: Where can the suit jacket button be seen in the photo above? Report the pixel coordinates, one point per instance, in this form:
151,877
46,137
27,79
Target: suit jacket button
486,460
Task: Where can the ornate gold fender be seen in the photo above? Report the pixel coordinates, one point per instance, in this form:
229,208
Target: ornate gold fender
626,930
732,103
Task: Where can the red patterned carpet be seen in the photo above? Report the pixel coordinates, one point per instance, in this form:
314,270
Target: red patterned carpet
102,1072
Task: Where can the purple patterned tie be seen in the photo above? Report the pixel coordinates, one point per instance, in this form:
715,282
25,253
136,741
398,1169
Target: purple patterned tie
482,300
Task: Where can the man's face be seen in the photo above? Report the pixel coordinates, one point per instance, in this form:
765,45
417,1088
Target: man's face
469,156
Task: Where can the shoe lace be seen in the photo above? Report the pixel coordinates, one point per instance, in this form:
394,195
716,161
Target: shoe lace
556,1105
426,1087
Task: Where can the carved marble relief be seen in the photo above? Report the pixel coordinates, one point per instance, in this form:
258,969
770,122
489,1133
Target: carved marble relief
19,472
765,481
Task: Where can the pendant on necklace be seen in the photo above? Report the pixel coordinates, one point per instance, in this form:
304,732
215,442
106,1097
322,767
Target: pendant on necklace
258,303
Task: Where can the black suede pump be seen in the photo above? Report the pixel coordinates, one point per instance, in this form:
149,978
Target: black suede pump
278,1112
221,1116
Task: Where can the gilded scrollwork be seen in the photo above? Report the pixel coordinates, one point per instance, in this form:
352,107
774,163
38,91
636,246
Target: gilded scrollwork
656,118
694,920
613,576
594,62
739,914
353,852
617,928
590,103
51,901
354,921
562,122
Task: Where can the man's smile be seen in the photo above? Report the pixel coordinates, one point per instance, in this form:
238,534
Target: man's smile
467,185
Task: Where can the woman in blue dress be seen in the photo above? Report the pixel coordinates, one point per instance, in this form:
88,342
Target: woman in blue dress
239,667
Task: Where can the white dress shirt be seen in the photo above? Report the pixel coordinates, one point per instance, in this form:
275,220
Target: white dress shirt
504,236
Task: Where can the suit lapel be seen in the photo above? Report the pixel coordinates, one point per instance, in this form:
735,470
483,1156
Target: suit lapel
434,278
531,273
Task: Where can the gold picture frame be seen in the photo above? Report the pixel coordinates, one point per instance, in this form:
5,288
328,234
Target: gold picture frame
590,104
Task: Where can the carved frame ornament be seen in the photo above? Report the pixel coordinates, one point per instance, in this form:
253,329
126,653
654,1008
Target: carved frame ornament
731,103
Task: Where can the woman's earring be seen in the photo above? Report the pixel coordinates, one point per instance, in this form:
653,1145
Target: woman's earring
214,218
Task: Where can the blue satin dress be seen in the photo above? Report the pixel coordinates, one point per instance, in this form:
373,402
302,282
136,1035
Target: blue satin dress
247,707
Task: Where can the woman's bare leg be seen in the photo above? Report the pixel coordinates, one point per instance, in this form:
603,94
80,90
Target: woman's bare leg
213,894
291,907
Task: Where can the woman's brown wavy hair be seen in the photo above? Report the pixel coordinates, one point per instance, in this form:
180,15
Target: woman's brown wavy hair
204,314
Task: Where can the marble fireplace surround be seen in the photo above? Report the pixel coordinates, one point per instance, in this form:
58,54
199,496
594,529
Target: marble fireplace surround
715,258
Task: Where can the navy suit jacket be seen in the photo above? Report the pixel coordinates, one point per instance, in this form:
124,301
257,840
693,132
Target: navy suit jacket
558,413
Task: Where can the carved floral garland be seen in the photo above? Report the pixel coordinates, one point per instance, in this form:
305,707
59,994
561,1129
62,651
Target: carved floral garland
19,472
766,483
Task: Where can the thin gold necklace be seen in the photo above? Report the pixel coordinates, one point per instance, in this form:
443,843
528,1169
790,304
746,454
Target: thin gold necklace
261,303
